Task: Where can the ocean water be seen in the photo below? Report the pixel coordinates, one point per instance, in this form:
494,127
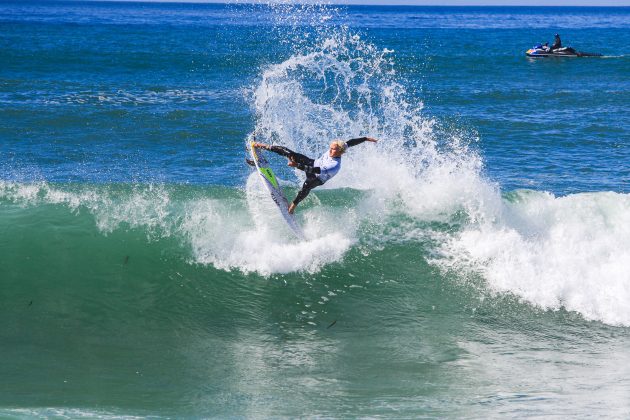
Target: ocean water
474,263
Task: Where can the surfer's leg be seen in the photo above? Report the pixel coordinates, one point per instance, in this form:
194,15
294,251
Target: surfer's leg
308,185
295,157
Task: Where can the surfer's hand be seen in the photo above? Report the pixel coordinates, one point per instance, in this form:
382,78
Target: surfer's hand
373,140
292,164
261,145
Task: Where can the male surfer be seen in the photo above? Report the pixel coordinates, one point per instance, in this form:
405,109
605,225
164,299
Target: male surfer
317,171
557,42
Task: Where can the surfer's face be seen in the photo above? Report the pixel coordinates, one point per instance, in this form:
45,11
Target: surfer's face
335,150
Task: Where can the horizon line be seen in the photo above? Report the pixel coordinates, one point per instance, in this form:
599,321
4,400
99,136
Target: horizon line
408,3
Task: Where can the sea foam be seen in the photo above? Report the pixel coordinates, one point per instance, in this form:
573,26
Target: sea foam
256,239
568,252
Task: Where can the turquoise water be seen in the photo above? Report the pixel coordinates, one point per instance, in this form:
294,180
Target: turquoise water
471,264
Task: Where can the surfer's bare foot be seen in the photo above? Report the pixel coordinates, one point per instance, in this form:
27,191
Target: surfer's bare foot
291,208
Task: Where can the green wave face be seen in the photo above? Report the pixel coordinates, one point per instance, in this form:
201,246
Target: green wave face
130,296
138,297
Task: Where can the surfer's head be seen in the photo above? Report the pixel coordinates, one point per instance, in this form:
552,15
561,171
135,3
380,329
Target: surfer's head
337,148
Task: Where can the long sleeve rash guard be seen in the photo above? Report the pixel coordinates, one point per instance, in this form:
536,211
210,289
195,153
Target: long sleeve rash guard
326,167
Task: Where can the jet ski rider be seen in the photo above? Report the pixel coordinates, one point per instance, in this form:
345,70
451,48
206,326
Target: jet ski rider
557,43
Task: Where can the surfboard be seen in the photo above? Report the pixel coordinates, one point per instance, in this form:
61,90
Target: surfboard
271,183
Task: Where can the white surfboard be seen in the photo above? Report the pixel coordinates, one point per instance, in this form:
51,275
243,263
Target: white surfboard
270,181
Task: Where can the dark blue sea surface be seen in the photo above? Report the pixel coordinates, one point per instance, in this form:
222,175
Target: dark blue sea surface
472,263
157,91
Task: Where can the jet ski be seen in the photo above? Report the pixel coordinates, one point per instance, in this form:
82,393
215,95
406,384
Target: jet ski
544,51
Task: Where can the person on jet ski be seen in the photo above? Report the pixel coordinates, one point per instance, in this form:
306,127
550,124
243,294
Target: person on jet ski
557,43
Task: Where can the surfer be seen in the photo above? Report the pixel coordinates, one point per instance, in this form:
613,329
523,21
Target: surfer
318,171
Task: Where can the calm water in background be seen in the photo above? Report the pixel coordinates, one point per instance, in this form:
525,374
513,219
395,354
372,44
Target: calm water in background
473,263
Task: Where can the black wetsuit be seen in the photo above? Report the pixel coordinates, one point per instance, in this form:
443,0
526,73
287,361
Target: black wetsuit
557,43
306,164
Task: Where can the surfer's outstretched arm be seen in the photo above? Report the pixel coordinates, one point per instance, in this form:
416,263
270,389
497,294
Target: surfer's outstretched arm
359,140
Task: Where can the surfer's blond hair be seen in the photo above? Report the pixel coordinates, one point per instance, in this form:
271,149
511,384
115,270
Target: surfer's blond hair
341,144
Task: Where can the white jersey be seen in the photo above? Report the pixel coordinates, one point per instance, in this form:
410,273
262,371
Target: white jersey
329,166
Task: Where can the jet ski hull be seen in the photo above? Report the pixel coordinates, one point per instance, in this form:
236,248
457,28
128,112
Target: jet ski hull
564,52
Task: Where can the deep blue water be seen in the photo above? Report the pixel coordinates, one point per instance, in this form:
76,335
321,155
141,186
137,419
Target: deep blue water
157,91
473,263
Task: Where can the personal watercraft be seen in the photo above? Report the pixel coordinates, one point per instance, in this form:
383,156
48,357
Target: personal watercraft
544,51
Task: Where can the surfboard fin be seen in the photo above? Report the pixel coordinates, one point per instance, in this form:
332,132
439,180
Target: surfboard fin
250,162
